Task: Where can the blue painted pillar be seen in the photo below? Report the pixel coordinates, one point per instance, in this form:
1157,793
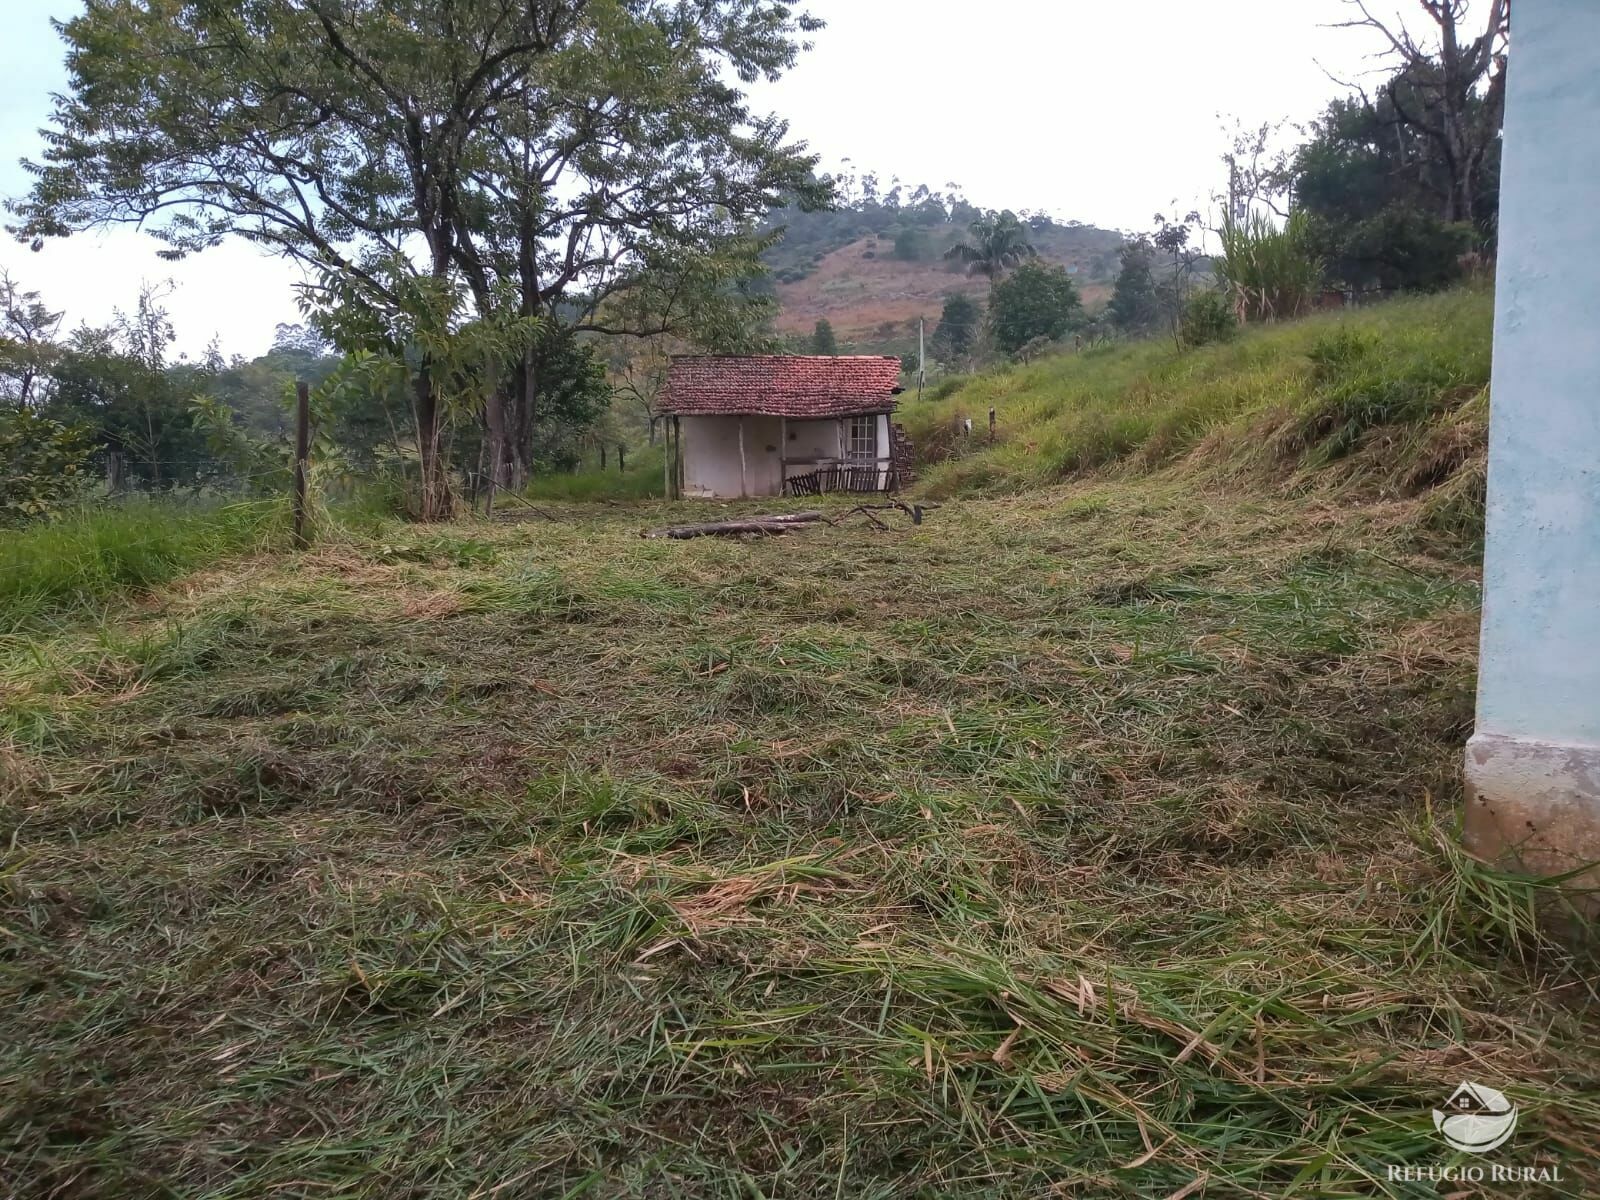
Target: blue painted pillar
1533,767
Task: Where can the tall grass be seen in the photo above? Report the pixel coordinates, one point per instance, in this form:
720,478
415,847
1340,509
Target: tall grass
60,567
643,480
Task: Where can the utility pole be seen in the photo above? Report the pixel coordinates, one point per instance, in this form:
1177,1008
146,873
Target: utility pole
922,357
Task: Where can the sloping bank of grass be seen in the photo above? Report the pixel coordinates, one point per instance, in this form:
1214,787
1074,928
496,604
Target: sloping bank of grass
60,568
1392,398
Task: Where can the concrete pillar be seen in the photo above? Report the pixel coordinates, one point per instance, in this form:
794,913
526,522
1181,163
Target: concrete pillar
1533,767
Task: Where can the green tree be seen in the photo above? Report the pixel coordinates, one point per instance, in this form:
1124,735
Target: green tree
1376,197
1037,300
822,339
999,242
1172,237
550,155
1448,97
117,384
27,344
911,244
956,336
41,464
1134,307
662,169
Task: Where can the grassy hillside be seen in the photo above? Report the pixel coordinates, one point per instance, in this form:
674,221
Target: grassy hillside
1390,400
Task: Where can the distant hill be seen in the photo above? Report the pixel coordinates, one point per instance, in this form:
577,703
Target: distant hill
873,299
875,265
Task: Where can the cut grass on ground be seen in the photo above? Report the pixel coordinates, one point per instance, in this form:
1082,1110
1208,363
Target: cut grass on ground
1091,843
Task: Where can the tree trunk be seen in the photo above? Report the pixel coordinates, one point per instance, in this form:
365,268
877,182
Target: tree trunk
435,502
519,428
499,472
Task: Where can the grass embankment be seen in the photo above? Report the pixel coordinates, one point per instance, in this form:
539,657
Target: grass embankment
88,559
1388,401
1092,842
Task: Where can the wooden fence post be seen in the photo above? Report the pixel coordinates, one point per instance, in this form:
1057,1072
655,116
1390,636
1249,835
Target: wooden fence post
991,425
621,464
302,452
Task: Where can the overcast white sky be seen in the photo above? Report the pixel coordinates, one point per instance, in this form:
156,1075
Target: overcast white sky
1094,111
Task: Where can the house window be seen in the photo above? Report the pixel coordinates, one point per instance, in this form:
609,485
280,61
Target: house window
864,438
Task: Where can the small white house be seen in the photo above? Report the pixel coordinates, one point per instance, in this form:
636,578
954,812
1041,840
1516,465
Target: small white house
773,425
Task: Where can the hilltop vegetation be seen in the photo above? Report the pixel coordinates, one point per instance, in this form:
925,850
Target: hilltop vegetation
876,262
1390,401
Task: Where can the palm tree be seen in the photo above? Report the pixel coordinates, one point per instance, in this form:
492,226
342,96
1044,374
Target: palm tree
999,242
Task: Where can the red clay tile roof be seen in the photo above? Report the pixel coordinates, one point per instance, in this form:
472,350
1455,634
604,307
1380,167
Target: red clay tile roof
780,386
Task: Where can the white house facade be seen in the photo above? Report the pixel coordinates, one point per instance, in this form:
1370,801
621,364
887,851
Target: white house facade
773,425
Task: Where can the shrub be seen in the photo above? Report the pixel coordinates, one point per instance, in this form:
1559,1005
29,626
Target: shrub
1207,318
41,465
1399,249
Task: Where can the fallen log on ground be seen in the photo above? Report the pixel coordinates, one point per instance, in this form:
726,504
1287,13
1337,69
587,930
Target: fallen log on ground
765,524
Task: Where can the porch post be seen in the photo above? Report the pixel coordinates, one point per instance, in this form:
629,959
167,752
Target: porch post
1533,766
677,459
744,473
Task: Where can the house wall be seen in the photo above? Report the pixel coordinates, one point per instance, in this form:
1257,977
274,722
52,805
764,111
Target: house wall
812,440
711,457
884,451
711,453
